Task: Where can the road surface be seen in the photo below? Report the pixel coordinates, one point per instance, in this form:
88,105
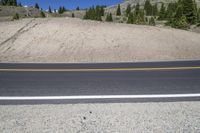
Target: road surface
100,82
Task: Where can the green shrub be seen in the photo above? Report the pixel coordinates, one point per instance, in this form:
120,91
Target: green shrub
42,14
152,21
16,16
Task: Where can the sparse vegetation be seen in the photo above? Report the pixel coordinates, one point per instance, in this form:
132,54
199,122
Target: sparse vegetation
16,16
42,14
73,15
152,21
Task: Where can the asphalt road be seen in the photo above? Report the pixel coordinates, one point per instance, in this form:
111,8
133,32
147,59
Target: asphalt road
99,82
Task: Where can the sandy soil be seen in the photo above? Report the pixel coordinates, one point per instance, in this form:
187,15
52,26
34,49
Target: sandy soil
180,117
75,40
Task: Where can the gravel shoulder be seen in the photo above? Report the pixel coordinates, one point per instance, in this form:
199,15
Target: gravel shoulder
107,118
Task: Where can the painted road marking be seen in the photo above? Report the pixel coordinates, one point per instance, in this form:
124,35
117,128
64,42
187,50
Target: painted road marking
106,69
99,97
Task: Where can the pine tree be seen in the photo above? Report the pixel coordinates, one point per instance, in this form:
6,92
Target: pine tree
102,11
109,17
118,10
179,13
189,10
77,8
131,19
148,8
198,15
171,9
8,2
37,6
140,17
94,13
155,10
61,10
50,10
137,9
128,10
14,2
20,4
162,12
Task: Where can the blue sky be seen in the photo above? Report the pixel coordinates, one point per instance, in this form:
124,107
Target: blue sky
69,4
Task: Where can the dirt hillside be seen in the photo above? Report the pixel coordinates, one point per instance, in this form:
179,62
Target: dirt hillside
75,40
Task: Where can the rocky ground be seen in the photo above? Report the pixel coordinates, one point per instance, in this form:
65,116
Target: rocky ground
76,40
181,117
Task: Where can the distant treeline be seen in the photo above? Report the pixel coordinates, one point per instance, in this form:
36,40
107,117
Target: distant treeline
95,13
179,14
9,2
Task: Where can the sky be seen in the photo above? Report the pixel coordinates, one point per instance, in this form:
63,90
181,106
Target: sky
69,4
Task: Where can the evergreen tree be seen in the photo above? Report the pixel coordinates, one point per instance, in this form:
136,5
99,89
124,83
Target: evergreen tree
152,21
78,8
128,10
179,20
162,12
8,2
37,6
50,10
102,11
155,10
148,8
189,10
198,15
179,13
140,17
131,18
171,9
198,18
137,9
94,13
20,4
109,17
73,15
61,10
118,10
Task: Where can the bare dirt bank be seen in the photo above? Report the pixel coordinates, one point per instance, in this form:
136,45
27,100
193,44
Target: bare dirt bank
75,40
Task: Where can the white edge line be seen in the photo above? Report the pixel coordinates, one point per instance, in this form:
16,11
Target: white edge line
99,97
